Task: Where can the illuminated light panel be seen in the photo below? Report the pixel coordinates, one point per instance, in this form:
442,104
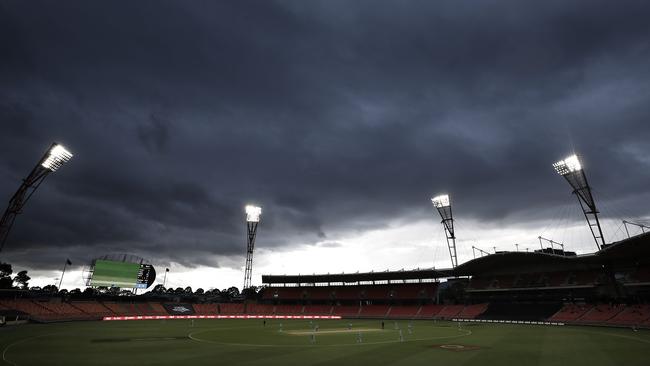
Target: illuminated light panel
58,156
441,201
253,213
569,165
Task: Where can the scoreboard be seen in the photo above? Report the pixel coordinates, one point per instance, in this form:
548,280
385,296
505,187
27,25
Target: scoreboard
112,273
146,276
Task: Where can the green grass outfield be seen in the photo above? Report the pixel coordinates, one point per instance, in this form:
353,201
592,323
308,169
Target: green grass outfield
237,342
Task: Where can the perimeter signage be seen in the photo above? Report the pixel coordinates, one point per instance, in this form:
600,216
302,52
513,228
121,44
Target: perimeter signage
179,309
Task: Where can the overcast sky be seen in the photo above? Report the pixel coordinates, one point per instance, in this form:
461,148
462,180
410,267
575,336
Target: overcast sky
340,118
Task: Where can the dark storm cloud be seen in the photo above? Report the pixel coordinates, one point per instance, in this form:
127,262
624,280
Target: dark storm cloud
334,116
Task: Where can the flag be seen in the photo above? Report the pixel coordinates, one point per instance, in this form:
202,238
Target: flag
68,262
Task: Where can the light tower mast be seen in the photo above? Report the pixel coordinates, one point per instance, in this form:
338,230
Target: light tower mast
252,219
53,159
571,169
443,205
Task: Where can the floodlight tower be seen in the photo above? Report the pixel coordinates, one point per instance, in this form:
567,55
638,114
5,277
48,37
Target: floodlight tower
571,169
443,205
53,159
252,219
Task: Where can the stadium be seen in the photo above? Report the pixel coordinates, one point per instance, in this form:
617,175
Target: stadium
495,152
485,306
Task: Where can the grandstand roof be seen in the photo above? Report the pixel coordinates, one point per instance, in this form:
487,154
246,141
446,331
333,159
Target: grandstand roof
626,252
622,253
416,274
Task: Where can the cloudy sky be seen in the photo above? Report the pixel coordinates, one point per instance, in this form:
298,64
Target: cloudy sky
340,118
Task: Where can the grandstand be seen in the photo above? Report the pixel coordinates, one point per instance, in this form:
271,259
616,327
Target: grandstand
601,314
610,287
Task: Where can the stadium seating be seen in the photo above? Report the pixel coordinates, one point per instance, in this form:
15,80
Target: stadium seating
346,311
557,279
348,293
206,309
231,309
259,309
414,291
621,315
520,311
375,292
396,291
582,278
506,281
120,309
631,315
157,309
289,309
536,280
600,314
92,308
62,310
403,312
472,311
479,283
570,313
429,311
374,311
26,306
317,310
642,275
449,312
284,293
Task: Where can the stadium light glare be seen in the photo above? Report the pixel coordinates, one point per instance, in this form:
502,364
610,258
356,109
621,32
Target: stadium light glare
253,213
568,165
441,201
57,156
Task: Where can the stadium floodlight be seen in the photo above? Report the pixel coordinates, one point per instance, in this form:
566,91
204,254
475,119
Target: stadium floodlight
58,155
572,169
443,205
253,213
252,219
53,159
441,201
568,165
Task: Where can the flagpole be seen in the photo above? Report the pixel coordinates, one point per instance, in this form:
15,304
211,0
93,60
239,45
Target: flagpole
61,280
165,278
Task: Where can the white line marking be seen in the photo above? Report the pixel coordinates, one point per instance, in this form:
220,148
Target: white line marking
4,352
